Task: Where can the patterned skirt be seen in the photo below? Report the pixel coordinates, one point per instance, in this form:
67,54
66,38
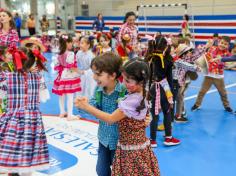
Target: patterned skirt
135,162
23,144
64,84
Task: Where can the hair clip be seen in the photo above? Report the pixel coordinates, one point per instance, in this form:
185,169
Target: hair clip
65,37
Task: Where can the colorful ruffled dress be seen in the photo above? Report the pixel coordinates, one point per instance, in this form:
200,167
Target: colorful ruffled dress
67,81
134,156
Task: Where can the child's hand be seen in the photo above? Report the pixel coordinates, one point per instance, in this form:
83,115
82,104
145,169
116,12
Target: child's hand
81,102
148,120
209,43
34,69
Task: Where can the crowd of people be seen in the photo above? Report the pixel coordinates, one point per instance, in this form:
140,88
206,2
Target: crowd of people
94,71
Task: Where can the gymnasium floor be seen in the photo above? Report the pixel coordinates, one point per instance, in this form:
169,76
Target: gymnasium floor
208,140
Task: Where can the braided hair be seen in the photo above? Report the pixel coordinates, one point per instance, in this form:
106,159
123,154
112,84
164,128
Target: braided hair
138,70
158,49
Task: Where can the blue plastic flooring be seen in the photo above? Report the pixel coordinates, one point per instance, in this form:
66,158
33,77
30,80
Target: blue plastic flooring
208,140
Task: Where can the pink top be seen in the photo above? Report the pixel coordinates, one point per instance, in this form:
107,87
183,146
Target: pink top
66,60
10,39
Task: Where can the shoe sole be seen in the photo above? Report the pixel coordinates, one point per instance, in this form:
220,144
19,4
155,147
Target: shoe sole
171,144
176,121
196,109
154,146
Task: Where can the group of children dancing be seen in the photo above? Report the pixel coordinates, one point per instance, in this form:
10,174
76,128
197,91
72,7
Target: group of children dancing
124,87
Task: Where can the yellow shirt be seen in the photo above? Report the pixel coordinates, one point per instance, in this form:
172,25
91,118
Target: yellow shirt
31,23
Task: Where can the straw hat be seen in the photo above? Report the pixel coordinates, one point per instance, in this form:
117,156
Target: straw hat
182,48
35,41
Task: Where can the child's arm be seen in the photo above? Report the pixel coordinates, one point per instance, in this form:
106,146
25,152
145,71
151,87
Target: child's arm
116,116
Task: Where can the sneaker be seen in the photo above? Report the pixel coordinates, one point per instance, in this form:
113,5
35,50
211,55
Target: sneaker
228,109
184,114
180,119
195,107
160,127
153,143
171,141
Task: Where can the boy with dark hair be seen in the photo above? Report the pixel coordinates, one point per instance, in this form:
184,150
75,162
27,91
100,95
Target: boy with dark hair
215,75
106,70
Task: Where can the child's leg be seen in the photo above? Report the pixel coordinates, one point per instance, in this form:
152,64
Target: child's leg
26,174
154,122
104,161
62,105
220,86
206,85
70,98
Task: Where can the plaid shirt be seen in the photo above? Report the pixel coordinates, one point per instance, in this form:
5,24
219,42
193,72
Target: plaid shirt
107,133
186,64
131,30
216,67
10,39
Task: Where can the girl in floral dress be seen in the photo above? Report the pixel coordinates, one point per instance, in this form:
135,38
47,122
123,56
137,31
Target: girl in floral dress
23,144
134,155
68,81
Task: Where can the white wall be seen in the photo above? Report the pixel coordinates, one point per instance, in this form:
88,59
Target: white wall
196,7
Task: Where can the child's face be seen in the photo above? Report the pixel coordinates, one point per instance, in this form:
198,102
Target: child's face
35,47
84,46
104,42
69,45
131,85
103,79
223,45
7,58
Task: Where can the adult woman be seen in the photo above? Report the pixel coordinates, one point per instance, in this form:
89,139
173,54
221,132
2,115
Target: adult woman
8,33
31,25
99,23
130,28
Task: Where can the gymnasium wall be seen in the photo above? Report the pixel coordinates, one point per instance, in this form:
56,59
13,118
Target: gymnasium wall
202,26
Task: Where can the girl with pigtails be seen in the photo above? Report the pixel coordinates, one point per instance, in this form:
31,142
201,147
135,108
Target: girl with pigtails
67,81
160,83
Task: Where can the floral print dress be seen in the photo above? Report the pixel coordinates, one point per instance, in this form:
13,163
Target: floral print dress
134,156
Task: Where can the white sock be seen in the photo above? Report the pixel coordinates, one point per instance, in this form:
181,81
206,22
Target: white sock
62,104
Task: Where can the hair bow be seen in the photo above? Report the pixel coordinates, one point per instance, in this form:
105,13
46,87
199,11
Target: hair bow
38,55
18,56
161,57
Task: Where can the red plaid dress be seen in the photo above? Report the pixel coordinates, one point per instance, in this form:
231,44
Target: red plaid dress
23,144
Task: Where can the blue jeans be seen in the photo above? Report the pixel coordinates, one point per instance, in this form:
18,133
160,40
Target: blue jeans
105,158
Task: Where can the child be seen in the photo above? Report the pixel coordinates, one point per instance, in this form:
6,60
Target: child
185,71
134,155
68,81
215,74
36,63
84,58
106,70
160,61
104,44
6,65
124,50
23,144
